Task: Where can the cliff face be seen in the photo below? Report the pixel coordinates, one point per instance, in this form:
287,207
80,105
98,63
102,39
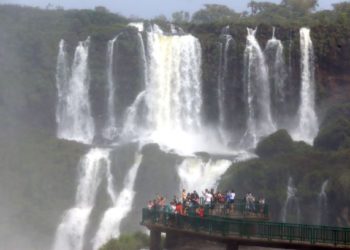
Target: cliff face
28,61
332,64
29,41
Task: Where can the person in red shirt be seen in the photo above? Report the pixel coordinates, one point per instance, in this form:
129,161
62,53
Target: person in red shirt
179,208
200,211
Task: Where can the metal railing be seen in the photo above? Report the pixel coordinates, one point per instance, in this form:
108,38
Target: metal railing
240,208
247,228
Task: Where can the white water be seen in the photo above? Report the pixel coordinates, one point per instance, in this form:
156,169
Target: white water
70,232
138,26
110,224
110,130
74,120
196,174
223,67
62,74
277,71
173,94
307,120
134,120
131,125
291,209
322,203
257,89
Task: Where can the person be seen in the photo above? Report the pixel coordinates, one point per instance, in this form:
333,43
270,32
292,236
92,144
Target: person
184,195
196,198
208,197
150,205
175,200
200,211
261,204
232,197
179,208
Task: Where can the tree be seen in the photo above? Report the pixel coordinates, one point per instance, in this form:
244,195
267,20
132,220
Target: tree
181,17
341,7
261,7
101,9
214,13
302,7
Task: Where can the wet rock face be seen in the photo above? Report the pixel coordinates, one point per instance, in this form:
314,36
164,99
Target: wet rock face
343,219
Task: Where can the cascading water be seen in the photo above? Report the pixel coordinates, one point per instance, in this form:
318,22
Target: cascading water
110,130
74,120
173,94
307,120
70,233
62,72
291,209
138,26
132,127
110,224
278,75
322,202
196,174
257,88
223,67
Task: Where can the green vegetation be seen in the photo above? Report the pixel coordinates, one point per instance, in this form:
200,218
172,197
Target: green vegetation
135,241
37,171
282,158
276,144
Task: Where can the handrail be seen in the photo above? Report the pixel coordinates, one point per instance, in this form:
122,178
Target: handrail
246,228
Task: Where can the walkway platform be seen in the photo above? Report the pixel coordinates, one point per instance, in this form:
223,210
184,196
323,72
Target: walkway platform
236,232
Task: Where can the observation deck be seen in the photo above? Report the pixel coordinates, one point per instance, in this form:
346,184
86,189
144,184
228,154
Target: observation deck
242,227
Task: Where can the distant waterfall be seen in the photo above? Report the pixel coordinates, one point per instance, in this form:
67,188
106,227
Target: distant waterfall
196,174
307,119
291,209
223,67
173,93
74,120
257,90
110,224
62,85
70,233
278,74
322,202
110,130
133,116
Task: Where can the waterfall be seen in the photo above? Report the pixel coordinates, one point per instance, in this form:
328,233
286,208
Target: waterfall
70,233
278,75
74,120
307,120
110,130
173,93
138,25
134,121
196,174
62,86
291,209
110,224
257,88
144,59
131,124
322,205
222,77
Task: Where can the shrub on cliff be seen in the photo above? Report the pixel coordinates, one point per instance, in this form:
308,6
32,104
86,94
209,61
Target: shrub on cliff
334,132
334,136
135,241
279,142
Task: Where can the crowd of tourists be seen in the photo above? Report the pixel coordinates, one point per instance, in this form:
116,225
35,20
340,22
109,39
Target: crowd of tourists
208,202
